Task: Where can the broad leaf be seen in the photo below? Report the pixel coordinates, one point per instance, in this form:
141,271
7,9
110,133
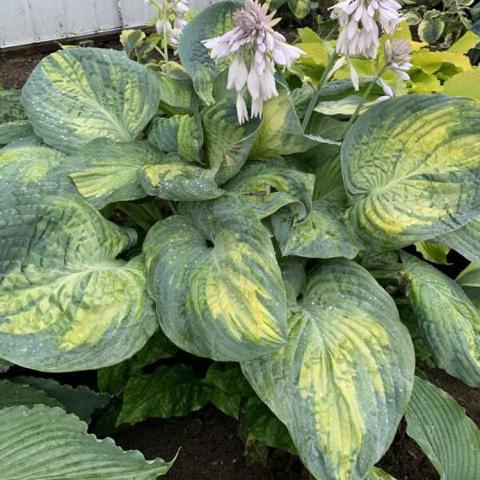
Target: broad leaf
412,169
268,186
343,381
433,252
465,240
43,442
216,282
227,143
449,438
80,400
211,22
323,234
448,321
14,123
79,94
31,163
15,394
181,134
167,392
329,182
281,132
105,171
66,303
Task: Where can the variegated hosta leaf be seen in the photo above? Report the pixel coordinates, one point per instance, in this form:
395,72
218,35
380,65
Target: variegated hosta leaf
343,381
281,132
31,163
66,303
44,442
449,438
177,95
175,179
216,282
181,134
211,22
105,171
323,233
79,94
329,182
448,321
267,186
412,169
14,394
227,143
465,240
433,252
14,123
469,280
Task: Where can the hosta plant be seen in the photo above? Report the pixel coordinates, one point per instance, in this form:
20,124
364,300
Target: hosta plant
140,220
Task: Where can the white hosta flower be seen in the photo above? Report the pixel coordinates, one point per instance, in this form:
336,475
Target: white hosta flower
256,48
360,25
172,21
398,58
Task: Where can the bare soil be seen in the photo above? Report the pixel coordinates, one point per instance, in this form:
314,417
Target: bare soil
210,447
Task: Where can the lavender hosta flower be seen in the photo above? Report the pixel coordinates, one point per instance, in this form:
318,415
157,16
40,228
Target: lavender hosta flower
398,58
256,48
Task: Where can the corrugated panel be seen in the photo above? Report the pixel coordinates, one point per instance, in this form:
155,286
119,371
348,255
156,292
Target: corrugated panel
23,22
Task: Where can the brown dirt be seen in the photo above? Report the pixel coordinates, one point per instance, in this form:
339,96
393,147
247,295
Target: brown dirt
211,449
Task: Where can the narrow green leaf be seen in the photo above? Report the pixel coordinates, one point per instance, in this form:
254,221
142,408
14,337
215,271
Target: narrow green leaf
449,438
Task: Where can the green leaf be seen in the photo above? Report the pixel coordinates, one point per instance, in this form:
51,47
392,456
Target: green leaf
280,132
227,143
66,303
131,40
181,134
264,426
44,442
105,171
79,94
329,182
204,82
300,8
465,240
228,386
433,252
464,84
80,401
177,95
430,30
31,163
4,365
213,21
113,379
465,43
343,381
411,169
469,280
167,392
216,282
14,123
449,438
378,474
448,321
14,394
268,186
323,234
175,179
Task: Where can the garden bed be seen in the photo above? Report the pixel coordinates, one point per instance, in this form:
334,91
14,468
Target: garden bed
210,447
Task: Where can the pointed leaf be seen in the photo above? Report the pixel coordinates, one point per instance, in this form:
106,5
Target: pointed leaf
168,392
448,321
323,234
412,169
216,282
449,438
66,303
105,171
267,186
465,240
79,94
44,442
227,143
343,381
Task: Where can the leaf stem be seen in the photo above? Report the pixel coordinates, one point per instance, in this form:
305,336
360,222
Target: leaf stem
316,95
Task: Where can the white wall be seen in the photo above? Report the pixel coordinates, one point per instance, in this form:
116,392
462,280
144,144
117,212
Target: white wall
23,22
